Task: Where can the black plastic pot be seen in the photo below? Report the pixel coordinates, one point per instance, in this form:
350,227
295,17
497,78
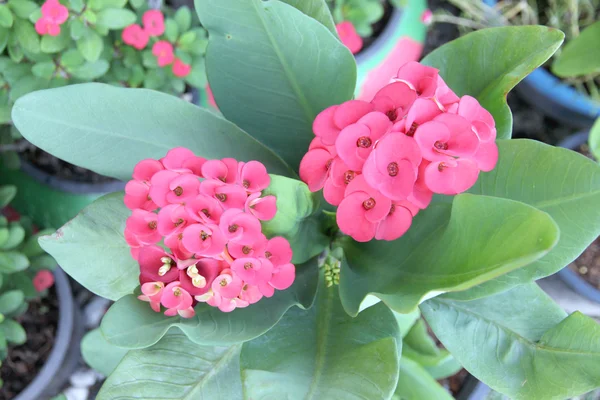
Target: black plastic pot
473,389
51,201
572,279
64,356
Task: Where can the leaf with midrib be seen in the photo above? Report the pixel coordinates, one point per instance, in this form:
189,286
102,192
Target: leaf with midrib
109,130
323,353
525,346
176,369
317,9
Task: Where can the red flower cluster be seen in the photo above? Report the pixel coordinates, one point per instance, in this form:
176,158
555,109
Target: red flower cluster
53,16
381,161
207,214
154,26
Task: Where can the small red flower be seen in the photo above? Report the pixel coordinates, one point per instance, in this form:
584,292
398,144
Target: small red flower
43,280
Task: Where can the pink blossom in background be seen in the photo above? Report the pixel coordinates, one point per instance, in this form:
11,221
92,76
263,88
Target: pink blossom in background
427,17
349,37
211,98
181,69
154,22
43,280
54,14
135,36
381,161
208,214
163,51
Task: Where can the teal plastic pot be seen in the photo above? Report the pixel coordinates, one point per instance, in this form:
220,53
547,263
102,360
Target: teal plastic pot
400,41
51,201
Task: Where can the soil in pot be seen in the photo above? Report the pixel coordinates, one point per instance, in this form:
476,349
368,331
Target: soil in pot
455,382
23,362
378,26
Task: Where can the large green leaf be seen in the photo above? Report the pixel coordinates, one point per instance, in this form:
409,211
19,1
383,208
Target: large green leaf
272,69
92,248
415,383
580,56
594,141
298,218
487,64
322,353
450,247
131,323
109,129
317,9
560,182
176,369
99,354
520,343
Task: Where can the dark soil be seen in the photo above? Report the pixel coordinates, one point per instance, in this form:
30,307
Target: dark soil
456,382
61,169
528,123
379,26
23,362
588,264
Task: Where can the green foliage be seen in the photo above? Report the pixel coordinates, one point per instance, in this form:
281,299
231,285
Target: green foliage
594,141
362,13
580,56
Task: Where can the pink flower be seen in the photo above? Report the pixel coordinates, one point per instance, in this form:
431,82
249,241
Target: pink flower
172,219
254,177
254,249
43,280
133,242
263,208
175,244
228,285
43,26
168,187
143,225
427,17
145,170
135,36
177,301
211,97
396,223
451,177
225,170
315,165
332,120
156,265
349,37
278,251
181,69
183,160
204,240
356,141
340,177
283,276
137,195
251,294
163,51
154,22
54,12
392,167
229,196
394,100
421,195
240,227
422,110
448,136
420,78
152,293
255,271
198,278
361,210
204,209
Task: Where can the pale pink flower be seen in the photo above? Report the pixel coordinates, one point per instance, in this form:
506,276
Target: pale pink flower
204,240
177,301
163,51
152,293
263,208
348,36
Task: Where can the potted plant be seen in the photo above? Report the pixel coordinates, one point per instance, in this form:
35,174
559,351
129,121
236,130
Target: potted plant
568,96
583,275
36,313
51,44
259,290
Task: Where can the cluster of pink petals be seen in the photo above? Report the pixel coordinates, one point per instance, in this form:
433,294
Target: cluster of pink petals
349,37
381,162
206,215
53,16
153,22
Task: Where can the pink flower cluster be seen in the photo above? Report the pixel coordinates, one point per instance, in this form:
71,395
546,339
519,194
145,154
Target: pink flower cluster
382,161
153,26
53,16
207,214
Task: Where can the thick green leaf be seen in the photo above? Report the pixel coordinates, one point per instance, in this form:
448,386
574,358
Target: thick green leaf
27,36
97,5
405,321
176,369
11,301
594,141
54,44
415,383
124,126
99,354
520,343
115,18
6,16
16,234
297,219
7,193
13,332
317,9
580,56
23,8
92,248
487,64
323,353
12,261
560,182
450,247
131,323
272,69
91,70
44,69
90,45
183,18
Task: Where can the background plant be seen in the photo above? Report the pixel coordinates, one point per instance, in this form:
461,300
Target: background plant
571,17
361,13
24,273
